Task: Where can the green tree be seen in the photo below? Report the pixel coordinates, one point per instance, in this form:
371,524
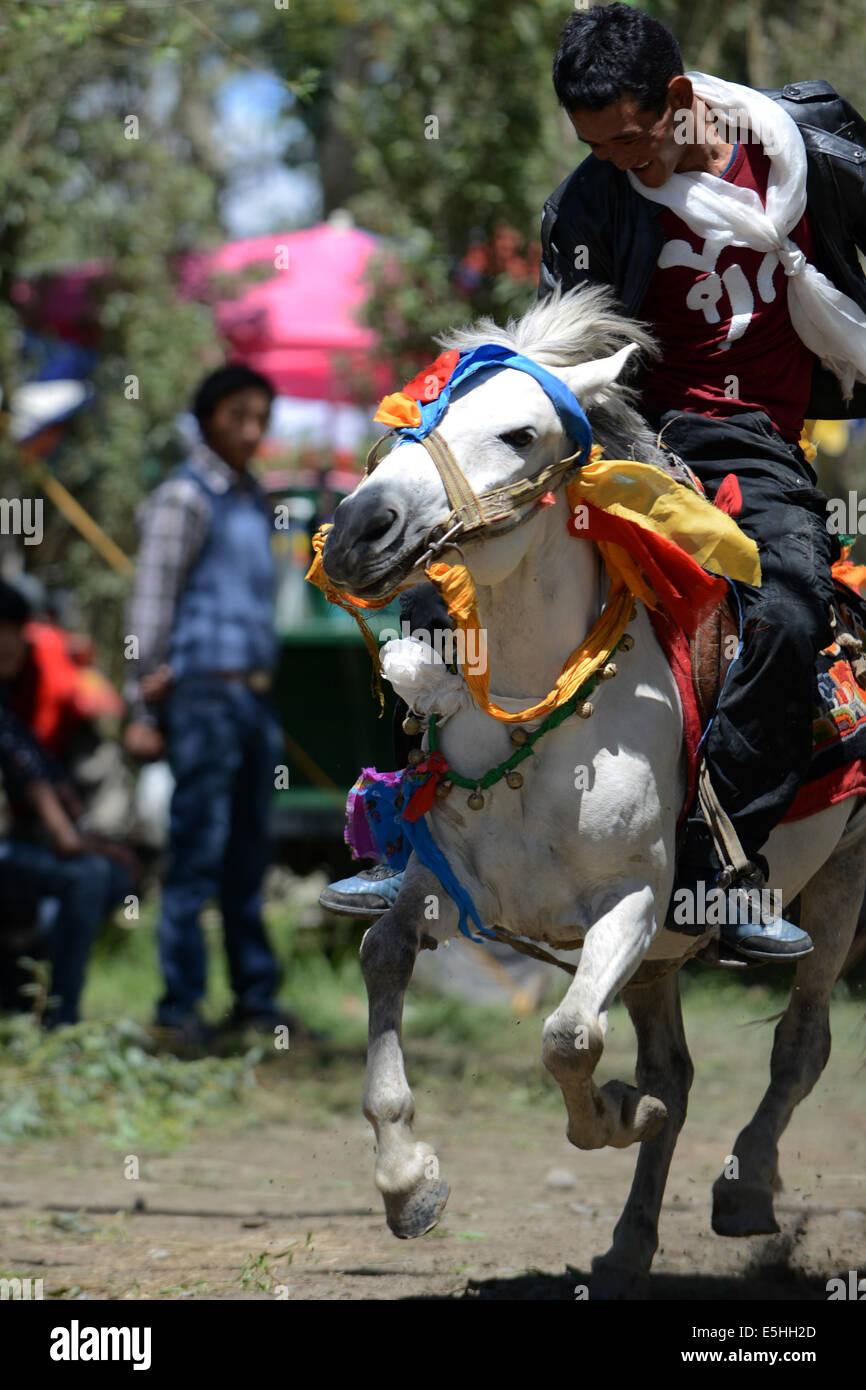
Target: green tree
445,115
107,152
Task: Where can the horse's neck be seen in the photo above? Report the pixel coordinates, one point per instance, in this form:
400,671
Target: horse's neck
536,617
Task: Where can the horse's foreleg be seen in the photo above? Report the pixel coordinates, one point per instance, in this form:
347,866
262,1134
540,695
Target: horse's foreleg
743,1194
407,1171
573,1038
664,1069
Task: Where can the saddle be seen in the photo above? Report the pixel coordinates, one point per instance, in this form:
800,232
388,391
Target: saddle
839,717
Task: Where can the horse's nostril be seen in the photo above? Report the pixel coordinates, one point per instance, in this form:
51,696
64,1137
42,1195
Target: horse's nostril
381,525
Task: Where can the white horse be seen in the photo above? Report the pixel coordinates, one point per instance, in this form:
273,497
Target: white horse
566,859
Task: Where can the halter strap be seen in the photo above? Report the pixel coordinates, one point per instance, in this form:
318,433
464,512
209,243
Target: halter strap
495,510
466,506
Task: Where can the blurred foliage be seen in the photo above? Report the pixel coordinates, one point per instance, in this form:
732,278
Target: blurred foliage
445,115
103,1077
77,189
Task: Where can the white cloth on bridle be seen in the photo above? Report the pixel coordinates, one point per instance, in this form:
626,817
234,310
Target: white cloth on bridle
829,323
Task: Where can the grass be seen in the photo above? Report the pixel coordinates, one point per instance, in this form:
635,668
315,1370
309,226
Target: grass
321,979
103,1078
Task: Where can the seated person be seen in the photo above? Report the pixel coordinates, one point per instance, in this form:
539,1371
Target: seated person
76,879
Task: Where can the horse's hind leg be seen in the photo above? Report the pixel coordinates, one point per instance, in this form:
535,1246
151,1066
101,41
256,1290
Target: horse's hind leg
664,1069
573,1039
407,1171
743,1202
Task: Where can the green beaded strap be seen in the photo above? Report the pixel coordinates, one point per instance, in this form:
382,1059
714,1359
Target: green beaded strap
556,717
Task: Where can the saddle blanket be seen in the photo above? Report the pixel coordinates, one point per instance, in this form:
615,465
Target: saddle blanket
838,767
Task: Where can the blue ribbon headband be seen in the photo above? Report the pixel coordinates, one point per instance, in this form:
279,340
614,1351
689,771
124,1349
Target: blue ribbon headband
491,355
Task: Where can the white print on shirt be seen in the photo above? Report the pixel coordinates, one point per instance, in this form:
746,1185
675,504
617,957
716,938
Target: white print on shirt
705,294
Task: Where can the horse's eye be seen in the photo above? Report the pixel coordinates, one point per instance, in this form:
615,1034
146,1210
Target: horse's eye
518,439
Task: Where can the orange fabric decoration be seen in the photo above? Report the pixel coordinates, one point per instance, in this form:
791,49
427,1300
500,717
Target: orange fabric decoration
456,586
398,410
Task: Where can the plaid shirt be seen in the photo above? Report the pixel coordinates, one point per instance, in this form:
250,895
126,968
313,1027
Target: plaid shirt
173,523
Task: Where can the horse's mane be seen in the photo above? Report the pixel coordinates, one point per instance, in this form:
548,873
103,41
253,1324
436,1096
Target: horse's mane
565,329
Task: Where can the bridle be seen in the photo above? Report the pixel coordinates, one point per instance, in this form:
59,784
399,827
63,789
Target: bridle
493,512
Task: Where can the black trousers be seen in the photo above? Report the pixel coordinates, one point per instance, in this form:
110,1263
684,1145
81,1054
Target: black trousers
760,743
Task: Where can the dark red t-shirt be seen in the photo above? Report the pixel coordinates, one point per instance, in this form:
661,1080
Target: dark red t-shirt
722,320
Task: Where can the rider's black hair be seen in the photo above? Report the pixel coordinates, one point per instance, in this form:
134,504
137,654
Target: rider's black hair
225,381
612,49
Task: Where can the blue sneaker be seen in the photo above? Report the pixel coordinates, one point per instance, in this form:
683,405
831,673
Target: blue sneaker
366,894
750,920
754,930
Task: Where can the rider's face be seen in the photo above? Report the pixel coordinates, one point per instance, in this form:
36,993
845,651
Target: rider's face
637,140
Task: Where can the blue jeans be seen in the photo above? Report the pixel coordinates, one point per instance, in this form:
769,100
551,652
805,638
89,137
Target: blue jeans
223,746
75,895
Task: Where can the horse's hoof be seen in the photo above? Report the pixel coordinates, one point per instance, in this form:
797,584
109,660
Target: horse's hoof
415,1213
640,1117
740,1210
612,1281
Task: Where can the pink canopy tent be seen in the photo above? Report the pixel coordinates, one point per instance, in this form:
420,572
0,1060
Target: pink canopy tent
298,326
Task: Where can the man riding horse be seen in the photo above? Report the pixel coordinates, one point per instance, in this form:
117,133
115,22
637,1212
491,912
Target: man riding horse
735,241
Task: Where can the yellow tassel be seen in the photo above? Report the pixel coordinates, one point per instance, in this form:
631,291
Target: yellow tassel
809,449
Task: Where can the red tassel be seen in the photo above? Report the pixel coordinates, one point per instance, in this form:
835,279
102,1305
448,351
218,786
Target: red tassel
546,499
421,799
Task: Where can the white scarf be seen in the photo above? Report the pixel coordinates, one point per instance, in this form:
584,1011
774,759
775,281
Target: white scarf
829,323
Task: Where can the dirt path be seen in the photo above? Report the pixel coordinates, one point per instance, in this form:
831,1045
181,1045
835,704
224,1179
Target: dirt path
286,1206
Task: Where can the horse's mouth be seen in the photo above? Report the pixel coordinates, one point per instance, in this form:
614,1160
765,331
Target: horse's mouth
385,580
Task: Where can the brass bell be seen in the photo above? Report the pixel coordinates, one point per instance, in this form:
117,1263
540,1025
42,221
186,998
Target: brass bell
411,724
476,800
519,736
585,709
608,671
415,756
444,789
514,778
626,642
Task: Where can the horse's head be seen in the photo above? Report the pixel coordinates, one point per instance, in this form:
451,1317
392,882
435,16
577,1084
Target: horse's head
501,426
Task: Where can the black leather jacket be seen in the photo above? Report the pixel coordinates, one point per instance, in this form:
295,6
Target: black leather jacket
597,207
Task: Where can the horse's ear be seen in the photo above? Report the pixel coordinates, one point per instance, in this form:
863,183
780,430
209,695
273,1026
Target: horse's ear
589,380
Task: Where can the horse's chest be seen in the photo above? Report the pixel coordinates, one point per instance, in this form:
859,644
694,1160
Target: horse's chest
530,854
589,806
